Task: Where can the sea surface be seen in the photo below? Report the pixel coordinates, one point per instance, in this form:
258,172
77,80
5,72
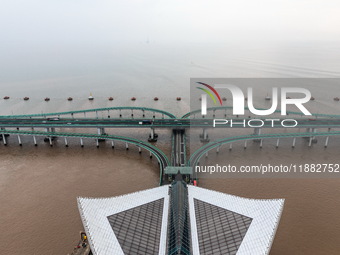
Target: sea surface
39,185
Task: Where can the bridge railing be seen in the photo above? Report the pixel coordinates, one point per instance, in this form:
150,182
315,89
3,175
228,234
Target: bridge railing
143,109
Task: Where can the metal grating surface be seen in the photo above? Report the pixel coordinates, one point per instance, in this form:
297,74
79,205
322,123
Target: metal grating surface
179,221
138,229
219,230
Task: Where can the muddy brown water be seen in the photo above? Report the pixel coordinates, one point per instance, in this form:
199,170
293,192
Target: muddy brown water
39,186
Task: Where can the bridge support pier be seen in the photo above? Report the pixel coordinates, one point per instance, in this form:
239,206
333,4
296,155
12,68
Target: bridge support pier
277,143
261,143
218,149
150,154
312,139
153,136
230,146
112,144
257,132
19,140
245,144
50,138
81,142
326,143
97,142
139,149
126,146
294,141
4,139
101,131
204,136
66,144
35,141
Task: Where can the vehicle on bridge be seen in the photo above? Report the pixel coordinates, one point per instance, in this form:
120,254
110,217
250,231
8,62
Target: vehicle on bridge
145,122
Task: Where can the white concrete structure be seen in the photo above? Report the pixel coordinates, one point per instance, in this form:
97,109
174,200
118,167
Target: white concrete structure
94,213
265,216
261,216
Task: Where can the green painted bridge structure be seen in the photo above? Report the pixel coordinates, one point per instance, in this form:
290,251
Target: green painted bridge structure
27,125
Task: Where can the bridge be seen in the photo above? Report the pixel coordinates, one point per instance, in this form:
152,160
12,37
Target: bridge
161,123
225,110
161,157
197,155
99,111
44,125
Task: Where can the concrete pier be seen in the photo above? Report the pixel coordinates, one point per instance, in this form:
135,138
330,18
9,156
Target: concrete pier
204,137
257,132
153,136
4,139
326,143
101,131
19,140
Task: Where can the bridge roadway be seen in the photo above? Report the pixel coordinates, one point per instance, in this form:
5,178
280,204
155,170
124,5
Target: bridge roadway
196,156
107,111
157,123
178,155
123,109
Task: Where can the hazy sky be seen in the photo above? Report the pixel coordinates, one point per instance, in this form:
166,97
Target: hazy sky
82,21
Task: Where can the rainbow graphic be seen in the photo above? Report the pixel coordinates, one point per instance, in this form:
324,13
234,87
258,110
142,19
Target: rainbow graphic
209,93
